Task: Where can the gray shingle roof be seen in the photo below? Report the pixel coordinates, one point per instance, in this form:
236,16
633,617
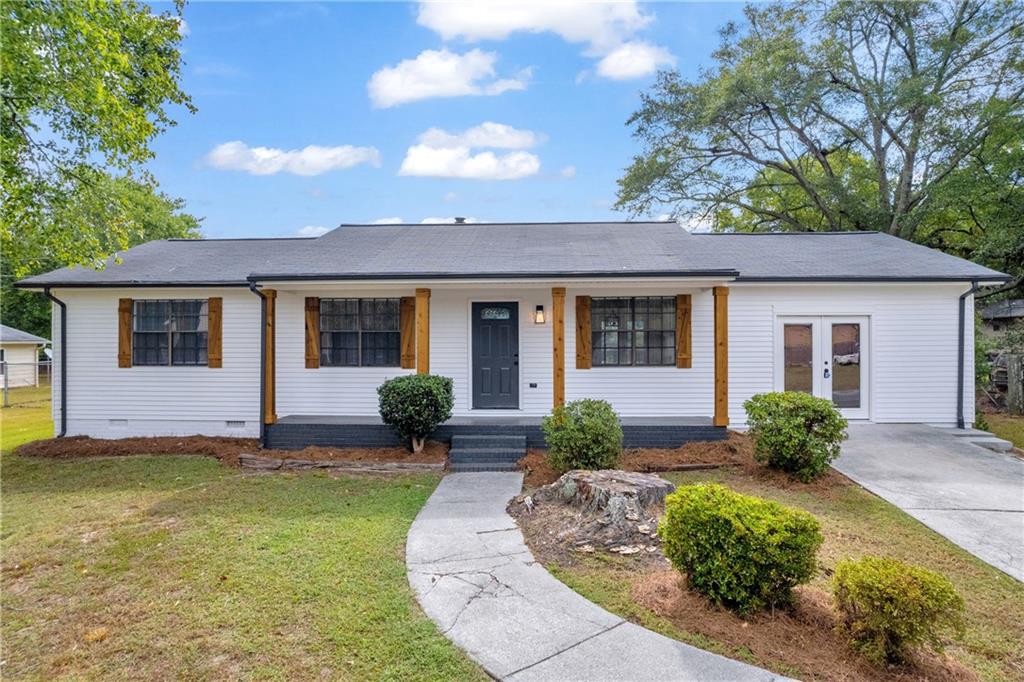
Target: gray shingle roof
12,335
1004,309
516,250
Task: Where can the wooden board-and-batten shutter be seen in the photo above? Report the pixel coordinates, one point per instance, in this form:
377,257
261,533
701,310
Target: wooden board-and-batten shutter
214,332
124,332
312,332
407,330
584,345
684,331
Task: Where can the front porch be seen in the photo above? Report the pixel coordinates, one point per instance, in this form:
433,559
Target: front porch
297,431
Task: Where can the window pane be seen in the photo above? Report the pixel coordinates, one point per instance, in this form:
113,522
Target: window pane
380,349
339,349
150,348
798,355
846,365
151,316
188,348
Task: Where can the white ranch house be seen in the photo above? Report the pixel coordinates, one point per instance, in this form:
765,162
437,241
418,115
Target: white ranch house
289,339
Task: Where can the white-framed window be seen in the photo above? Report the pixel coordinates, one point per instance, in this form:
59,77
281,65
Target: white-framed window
635,331
360,332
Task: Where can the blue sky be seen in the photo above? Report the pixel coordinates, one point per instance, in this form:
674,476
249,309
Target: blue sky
310,115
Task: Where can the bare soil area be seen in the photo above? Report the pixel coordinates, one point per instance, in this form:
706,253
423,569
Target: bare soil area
226,450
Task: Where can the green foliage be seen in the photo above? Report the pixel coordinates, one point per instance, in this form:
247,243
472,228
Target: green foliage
152,215
1012,340
739,551
86,86
416,404
795,432
583,434
982,346
848,116
888,607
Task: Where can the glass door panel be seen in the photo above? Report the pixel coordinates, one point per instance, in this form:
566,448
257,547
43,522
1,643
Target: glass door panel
798,357
846,367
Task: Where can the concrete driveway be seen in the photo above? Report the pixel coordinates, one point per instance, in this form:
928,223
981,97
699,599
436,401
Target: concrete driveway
973,496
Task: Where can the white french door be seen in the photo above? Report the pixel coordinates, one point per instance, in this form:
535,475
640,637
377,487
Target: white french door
826,356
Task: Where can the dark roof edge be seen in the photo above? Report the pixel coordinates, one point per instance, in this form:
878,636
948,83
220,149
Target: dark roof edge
493,275
134,284
995,277
779,234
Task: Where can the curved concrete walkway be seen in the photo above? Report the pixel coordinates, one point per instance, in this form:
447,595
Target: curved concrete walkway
475,577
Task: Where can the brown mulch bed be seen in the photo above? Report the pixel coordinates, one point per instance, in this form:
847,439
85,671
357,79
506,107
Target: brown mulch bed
737,450
804,636
226,450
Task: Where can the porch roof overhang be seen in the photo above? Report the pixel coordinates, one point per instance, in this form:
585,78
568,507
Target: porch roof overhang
693,278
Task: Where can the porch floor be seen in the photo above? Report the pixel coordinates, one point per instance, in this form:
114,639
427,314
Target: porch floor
488,420
299,430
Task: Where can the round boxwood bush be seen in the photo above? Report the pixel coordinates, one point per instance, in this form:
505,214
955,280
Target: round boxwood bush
414,405
583,434
888,607
795,432
739,551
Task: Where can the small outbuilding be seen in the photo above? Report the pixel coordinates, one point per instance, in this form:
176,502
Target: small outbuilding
997,317
19,357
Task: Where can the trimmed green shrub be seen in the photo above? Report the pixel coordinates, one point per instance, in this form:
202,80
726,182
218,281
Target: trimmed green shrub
795,432
739,551
583,434
887,607
414,405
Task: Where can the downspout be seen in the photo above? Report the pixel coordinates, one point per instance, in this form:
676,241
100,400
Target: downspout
960,357
63,361
254,288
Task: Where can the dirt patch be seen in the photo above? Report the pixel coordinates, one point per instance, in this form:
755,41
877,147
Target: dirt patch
226,450
803,637
736,451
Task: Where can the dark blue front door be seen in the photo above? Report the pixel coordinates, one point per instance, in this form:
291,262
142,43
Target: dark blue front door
496,356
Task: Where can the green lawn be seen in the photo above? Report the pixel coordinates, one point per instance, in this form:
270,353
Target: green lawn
1008,426
854,523
177,567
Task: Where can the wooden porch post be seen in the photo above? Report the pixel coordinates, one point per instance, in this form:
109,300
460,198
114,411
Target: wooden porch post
721,356
558,344
270,359
423,331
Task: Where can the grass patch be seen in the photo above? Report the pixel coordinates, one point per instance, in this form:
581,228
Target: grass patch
1007,426
24,422
854,523
178,567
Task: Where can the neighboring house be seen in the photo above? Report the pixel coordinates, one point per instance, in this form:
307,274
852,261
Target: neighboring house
675,330
19,357
998,317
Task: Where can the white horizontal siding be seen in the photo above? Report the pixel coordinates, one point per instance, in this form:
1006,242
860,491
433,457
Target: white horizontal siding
913,344
913,334
105,400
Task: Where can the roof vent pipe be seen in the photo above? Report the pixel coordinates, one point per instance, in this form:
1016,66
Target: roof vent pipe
459,220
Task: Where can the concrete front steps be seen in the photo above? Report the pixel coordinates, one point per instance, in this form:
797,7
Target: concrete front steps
486,452
983,438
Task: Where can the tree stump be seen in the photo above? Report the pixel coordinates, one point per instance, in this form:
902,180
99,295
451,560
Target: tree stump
621,496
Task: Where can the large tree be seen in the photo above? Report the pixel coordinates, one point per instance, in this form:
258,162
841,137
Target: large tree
834,116
85,87
152,215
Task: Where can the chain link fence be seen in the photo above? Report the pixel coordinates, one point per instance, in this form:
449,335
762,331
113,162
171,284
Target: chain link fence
26,383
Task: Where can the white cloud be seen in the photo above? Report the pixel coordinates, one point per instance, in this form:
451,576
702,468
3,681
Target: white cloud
460,162
312,231
488,134
607,29
311,160
601,25
568,172
183,27
445,221
441,154
634,60
440,73
450,197
388,221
